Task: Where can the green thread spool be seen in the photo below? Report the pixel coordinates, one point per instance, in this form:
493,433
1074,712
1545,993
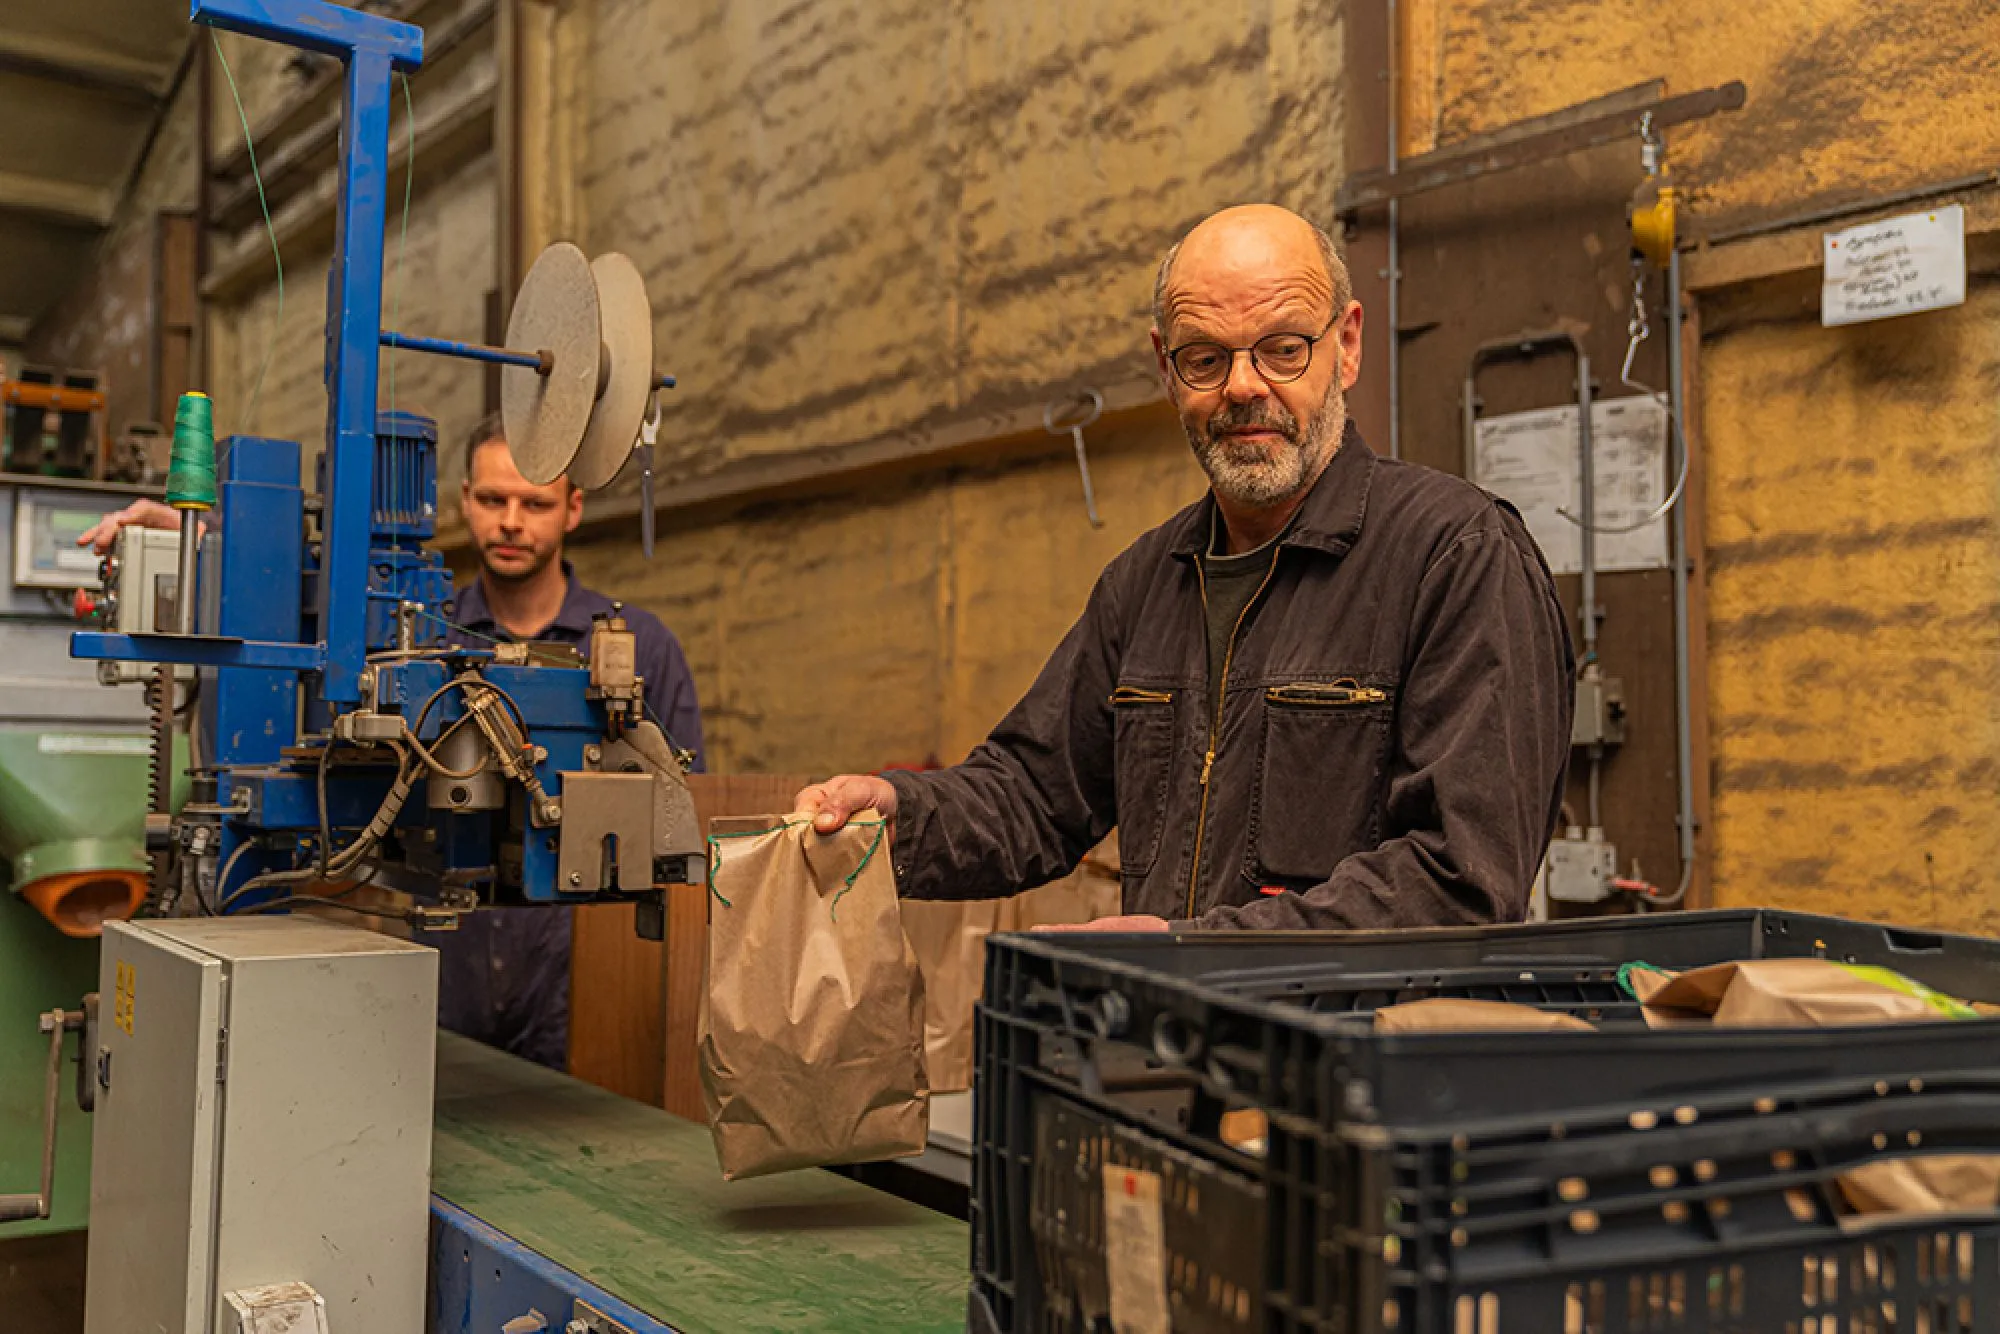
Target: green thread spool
191,474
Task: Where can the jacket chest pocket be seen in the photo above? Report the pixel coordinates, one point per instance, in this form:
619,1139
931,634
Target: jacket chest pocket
1318,797
1143,763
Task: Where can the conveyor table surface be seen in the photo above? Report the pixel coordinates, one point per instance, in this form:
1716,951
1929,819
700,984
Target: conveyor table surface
630,1197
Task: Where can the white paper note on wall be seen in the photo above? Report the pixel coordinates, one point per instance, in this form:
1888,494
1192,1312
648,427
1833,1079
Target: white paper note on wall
1531,459
1897,266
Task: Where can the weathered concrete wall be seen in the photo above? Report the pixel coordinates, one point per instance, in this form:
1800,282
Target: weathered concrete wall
106,322
445,273
1851,474
862,219
897,622
854,218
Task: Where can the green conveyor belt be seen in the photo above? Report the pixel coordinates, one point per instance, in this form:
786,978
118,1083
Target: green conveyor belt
630,1197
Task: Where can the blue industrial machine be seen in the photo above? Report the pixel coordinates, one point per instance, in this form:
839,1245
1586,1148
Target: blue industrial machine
352,736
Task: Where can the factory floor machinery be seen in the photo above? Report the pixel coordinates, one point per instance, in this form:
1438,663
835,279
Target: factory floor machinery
280,1138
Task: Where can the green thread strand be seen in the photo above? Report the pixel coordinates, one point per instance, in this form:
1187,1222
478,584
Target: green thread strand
403,242
278,322
1625,971
715,856
832,909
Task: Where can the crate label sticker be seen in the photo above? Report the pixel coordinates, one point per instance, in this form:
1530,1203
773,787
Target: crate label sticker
121,1013
1135,1251
83,743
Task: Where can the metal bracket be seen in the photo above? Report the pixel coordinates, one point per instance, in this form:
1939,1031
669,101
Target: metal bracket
599,807
587,1319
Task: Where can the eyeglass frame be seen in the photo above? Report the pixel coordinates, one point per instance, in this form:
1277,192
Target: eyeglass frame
1312,345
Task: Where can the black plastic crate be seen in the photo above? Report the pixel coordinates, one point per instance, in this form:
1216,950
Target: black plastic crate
1628,1180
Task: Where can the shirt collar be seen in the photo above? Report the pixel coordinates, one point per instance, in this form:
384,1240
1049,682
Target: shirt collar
579,604
1330,519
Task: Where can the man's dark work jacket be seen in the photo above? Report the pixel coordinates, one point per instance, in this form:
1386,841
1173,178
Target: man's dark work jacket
1389,750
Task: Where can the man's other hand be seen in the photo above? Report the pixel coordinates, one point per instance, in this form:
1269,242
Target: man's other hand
831,803
1108,924
103,535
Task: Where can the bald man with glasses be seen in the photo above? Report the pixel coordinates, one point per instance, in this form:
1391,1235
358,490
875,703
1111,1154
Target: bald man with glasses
1335,692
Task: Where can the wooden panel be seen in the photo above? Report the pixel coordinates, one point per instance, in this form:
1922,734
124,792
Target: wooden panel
176,311
614,1014
1465,284
634,1004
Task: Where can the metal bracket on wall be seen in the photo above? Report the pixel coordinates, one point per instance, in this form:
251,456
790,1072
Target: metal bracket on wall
1574,129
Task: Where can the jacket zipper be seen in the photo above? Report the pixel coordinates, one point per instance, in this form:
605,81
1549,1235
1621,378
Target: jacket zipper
1326,695
1221,688
1139,695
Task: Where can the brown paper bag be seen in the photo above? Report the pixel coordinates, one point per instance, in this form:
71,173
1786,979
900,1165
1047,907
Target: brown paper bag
1445,1014
812,1038
949,937
1821,992
1783,993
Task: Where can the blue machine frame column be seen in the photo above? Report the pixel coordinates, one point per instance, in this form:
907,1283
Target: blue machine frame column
373,48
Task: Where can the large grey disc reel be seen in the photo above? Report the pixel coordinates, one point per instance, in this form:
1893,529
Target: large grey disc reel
580,413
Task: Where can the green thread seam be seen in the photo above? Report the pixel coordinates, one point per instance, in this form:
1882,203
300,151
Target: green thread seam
715,856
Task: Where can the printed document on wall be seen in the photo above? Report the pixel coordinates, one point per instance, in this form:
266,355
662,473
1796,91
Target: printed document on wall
1531,459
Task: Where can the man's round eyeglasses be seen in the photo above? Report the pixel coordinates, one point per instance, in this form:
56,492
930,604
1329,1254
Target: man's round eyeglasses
1279,357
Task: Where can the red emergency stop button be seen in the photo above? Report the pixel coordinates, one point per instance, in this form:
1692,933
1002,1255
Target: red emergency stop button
84,605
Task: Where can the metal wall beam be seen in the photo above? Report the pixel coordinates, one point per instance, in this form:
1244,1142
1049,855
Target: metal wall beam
71,203
79,65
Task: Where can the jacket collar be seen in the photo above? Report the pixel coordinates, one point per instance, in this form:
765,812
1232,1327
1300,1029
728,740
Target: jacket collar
1330,519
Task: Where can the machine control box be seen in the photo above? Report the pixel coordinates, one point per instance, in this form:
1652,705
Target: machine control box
263,1117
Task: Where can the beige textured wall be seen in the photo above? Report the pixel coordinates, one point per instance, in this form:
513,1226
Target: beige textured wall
896,622
856,220
445,273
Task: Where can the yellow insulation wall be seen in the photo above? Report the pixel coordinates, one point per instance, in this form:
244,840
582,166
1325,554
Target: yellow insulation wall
1854,615
1853,558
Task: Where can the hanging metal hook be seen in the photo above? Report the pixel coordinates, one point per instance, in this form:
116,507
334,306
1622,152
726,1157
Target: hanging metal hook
1637,330
1068,416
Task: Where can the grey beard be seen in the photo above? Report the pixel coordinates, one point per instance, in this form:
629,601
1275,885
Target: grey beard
1257,480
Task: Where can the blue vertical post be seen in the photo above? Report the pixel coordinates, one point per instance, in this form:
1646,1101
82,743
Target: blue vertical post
372,47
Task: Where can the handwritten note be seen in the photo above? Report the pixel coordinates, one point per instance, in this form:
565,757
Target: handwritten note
1898,266
1531,459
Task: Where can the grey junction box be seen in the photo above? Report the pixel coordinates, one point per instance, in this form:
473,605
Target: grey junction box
263,1117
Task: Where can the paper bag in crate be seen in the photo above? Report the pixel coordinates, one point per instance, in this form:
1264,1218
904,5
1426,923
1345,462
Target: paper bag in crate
812,1030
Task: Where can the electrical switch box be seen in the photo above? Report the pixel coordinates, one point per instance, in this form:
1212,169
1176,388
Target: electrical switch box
263,1117
1581,867
1599,719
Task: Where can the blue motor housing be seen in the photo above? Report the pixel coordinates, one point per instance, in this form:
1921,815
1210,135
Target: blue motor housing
403,518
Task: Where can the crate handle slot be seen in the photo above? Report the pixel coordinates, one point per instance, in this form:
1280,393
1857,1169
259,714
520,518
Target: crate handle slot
1913,942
